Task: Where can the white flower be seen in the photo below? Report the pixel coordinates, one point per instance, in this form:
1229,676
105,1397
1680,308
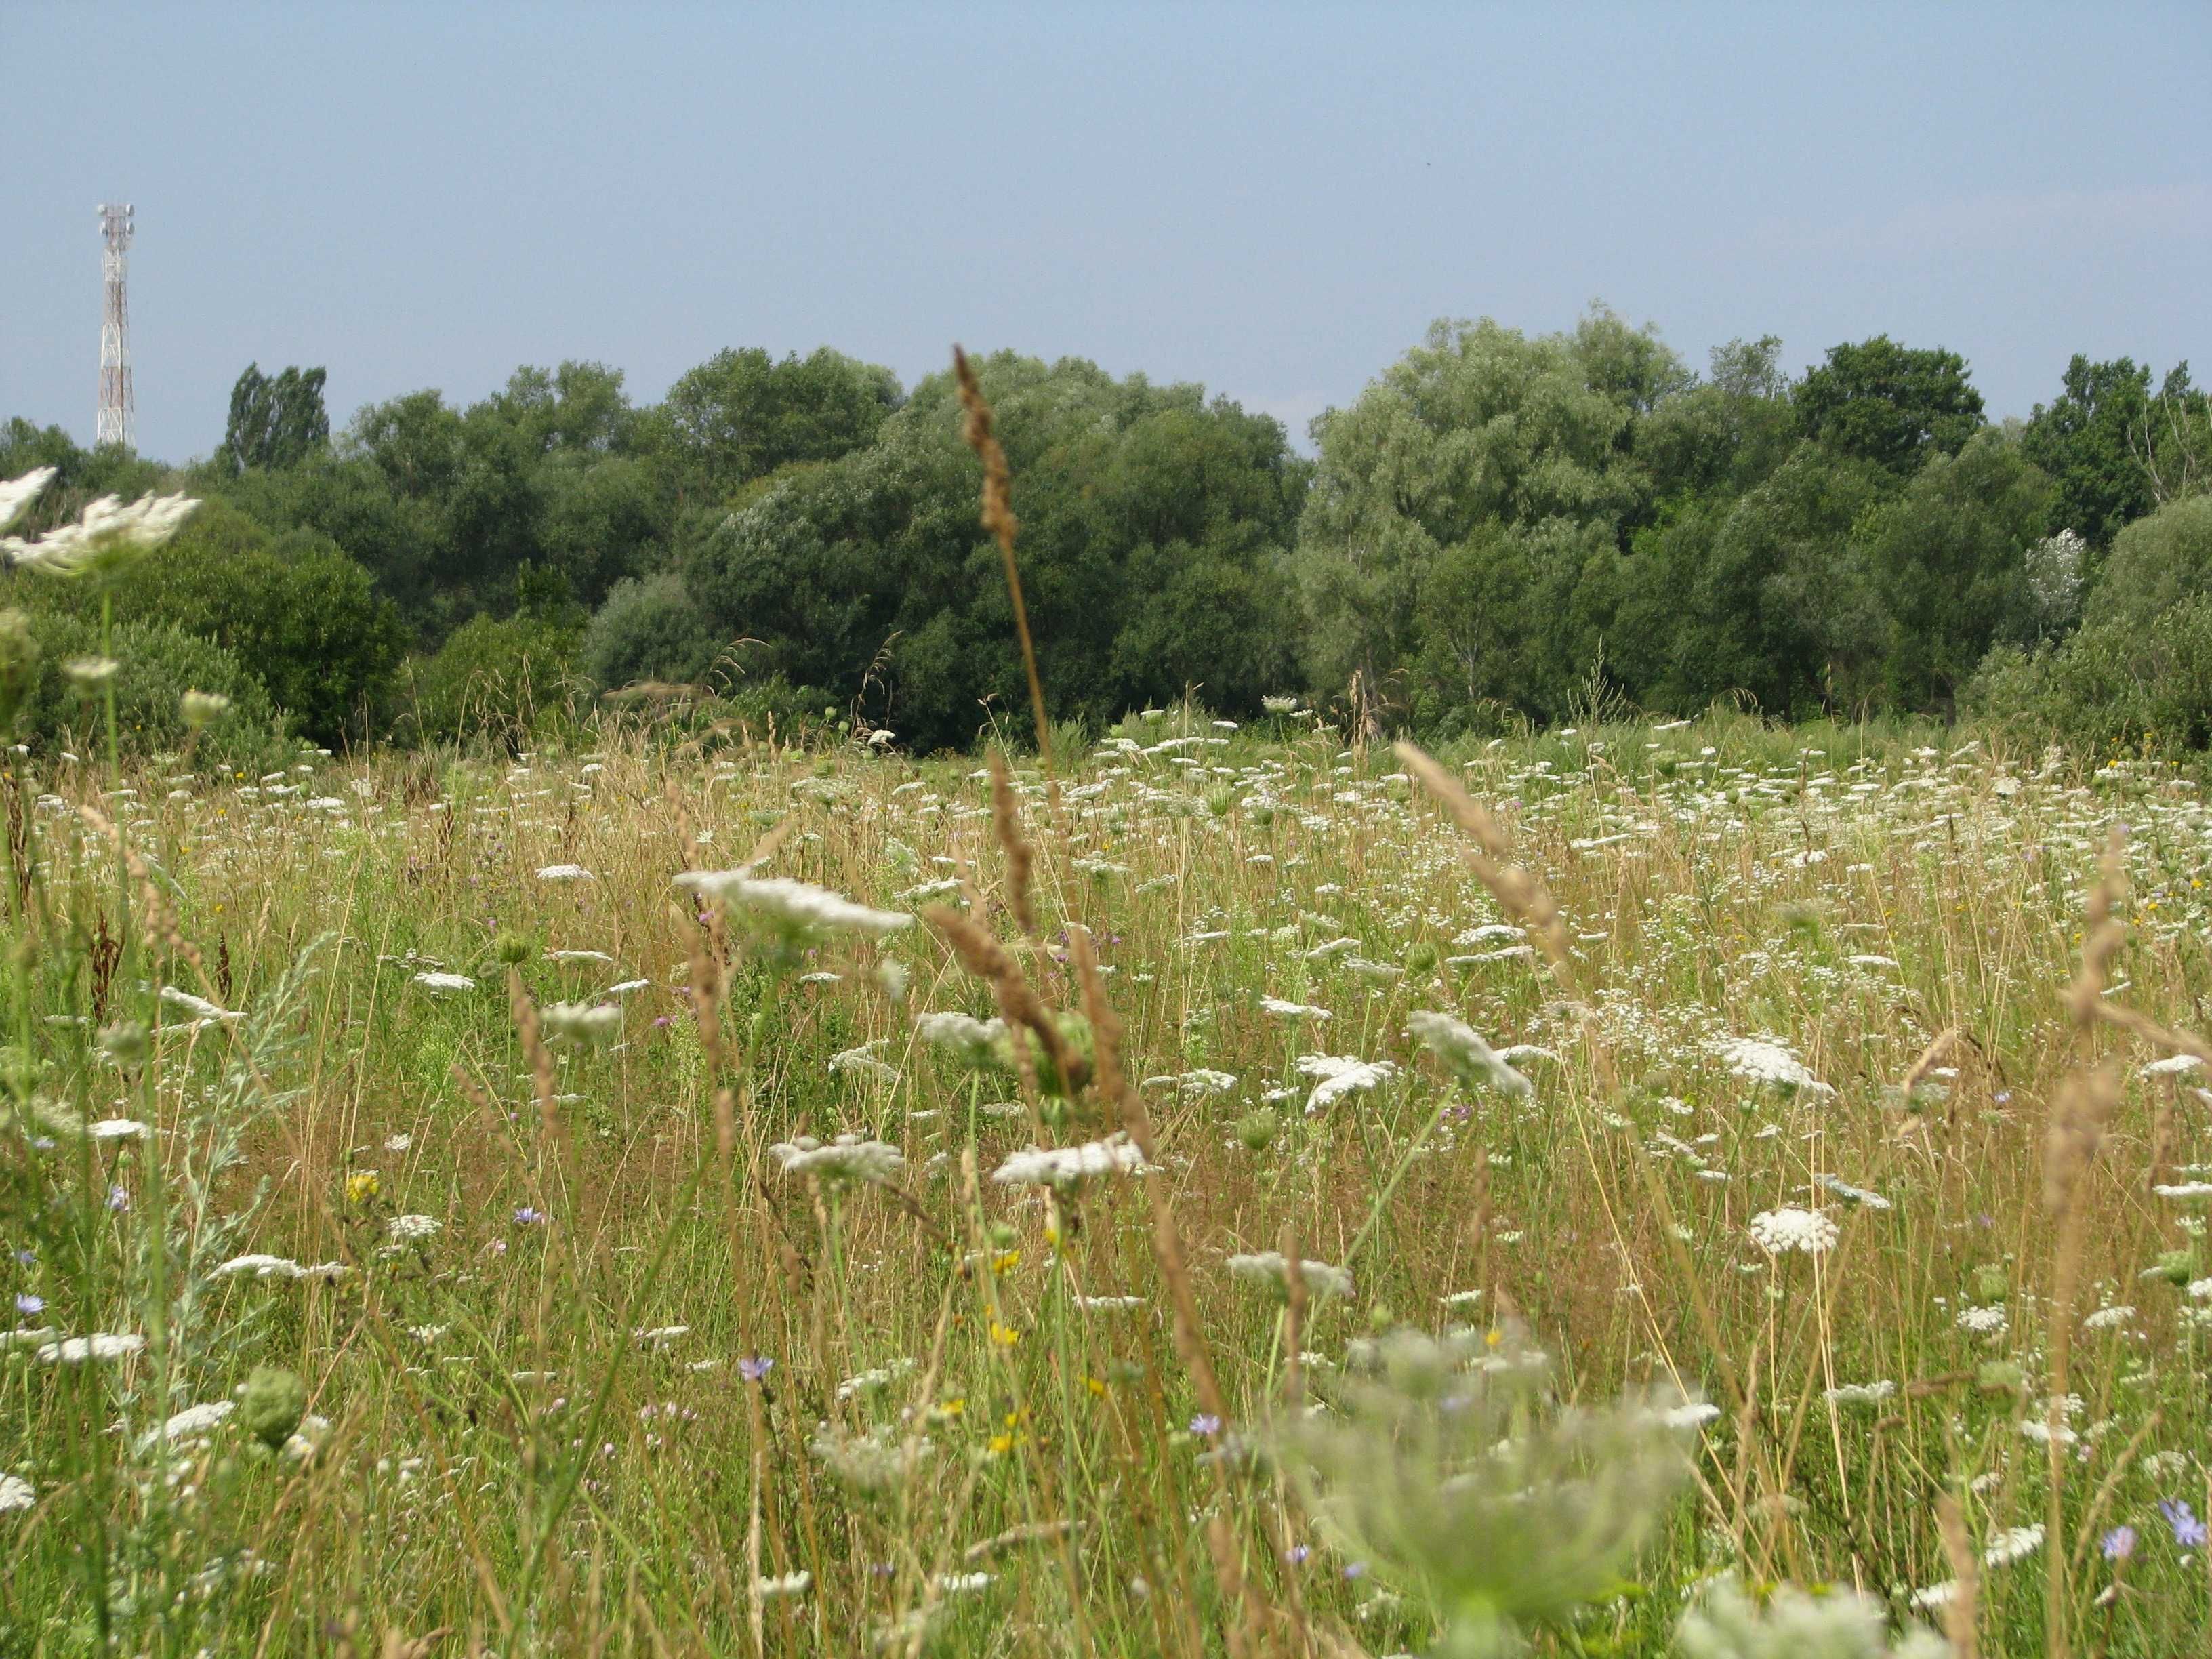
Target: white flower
88,672
862,1062
791,1584
17,494
1341,1074
973,1039
1063,1166
2173,1065
440,984
580,1022
1269,1267
261,1267
1461,1047
1935,1595
1983,1322
1859,1195
1694,1415
411,1229
2014,1544
198,1007
16,1492
848,1157
2185,1189
101,1345
792,907
107,525
1859,1394
197,1419
661,1336
2105,1318
1282,1010
1769,1063
117,1128
566,872
874,1381
1780,1231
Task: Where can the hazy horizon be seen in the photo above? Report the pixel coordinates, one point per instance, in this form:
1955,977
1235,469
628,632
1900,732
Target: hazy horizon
1274,203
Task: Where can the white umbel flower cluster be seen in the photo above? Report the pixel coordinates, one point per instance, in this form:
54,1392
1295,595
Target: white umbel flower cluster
1780,1231
1769,1063
444,984
582,1022
1269,1268
101,1345
16,1492
1337,1075
792,906
17,494
1064,1166
107,527
848,1157
1461,1047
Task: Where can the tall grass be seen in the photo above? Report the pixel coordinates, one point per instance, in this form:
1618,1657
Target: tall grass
641,1388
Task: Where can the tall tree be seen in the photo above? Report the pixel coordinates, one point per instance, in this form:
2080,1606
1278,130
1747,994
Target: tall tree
1892,404
275,422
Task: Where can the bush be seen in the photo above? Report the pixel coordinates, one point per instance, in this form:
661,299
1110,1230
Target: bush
2154,563
650,631
158,663
2115,684
503,680
296,607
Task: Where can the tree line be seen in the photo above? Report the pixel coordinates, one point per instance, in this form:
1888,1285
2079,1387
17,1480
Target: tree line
1501,527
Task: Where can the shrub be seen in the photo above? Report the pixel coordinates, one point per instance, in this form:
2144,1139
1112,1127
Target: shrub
650,631
2115,684
157,664
2154,563
501,680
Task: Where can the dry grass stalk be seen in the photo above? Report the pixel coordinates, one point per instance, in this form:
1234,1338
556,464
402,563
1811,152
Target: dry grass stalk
1021,857
1961,1613
998,519
1490,856
983,957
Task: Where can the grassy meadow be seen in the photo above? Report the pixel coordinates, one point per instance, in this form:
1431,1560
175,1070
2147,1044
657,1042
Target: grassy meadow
430,1230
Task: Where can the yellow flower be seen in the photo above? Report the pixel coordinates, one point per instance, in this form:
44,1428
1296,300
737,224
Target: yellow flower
953,1407
1001,1442
362,1186
1006,1262
1005,1335
1096,1386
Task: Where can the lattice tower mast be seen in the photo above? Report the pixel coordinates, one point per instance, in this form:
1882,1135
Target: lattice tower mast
118,407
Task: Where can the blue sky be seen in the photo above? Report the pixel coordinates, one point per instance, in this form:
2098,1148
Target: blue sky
1273,199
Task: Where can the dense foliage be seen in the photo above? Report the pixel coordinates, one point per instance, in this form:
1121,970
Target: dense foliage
1502,527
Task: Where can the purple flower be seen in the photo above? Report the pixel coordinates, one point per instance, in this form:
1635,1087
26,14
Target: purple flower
755,1368
1357,1570
2188,1530
1205,1422
26,1305
527,1216
2118,1544
117,1199
1296,1555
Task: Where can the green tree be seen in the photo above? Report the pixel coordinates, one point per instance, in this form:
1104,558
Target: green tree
2084,441
1888,403
2155,562
741,415
275,422
1949,556
1479,427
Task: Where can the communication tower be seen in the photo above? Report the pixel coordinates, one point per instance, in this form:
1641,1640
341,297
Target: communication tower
118,408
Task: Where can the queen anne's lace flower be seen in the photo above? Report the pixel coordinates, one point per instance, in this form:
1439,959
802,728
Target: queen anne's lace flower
1339,1075
440,984
1769,1063
101,1345
1780,1231
1462,1049
792,907
848,1157
1064,1166
1268,1267
106,528
15,1494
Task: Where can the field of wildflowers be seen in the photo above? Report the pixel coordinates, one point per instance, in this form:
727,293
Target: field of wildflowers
1687,1187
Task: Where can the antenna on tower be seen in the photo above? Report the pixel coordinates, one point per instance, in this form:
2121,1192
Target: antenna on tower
118,407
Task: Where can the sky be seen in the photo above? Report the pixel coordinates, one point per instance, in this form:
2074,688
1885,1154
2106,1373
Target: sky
1273,200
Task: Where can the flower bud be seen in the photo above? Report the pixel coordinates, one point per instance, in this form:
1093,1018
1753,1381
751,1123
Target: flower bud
201,710
271,1404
